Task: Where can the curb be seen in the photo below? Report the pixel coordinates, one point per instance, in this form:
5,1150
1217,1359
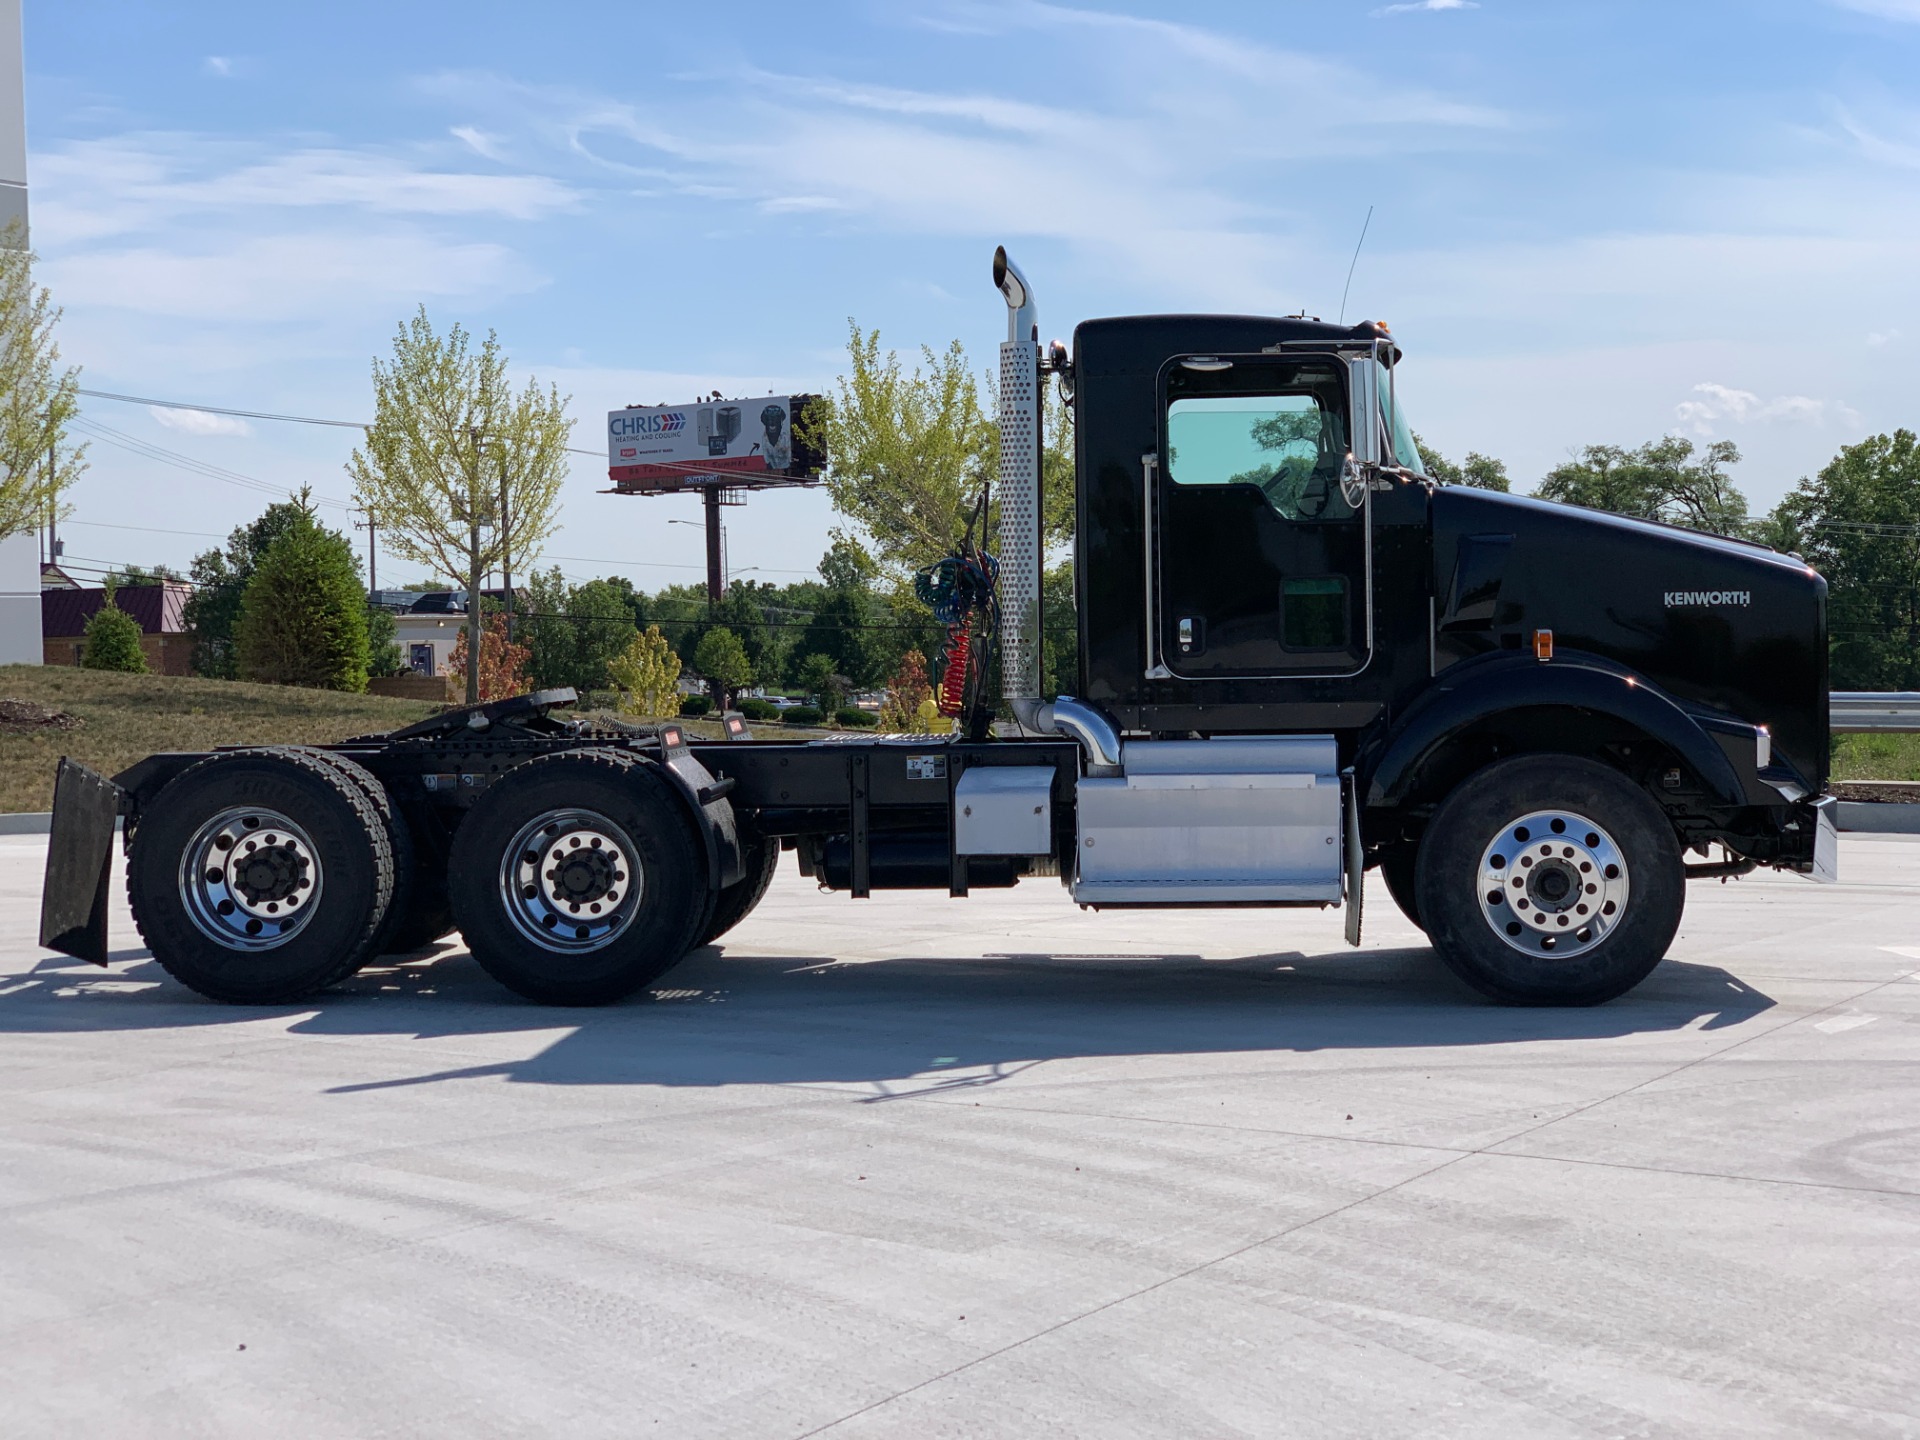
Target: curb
1877,817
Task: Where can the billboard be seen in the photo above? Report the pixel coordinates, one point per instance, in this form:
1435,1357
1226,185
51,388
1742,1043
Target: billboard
656,449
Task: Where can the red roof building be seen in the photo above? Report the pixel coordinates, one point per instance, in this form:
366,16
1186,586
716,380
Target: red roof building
159,609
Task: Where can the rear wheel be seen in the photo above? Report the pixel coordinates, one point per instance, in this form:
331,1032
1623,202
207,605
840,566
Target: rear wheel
736,902
259,877
420,913
576,878
1550,880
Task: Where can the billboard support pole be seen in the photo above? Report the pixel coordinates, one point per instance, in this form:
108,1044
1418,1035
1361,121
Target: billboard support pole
716,580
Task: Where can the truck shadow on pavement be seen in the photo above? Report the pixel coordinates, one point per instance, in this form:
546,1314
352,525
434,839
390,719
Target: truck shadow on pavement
912,1023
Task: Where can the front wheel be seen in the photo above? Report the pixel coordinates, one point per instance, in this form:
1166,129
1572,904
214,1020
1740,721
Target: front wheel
1550,880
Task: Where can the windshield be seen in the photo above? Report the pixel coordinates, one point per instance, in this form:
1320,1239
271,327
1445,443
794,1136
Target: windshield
1405,452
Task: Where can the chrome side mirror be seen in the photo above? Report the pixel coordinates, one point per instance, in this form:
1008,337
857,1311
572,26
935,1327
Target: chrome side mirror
1355,481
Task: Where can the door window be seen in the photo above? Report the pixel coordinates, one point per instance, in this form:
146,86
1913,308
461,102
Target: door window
1289,447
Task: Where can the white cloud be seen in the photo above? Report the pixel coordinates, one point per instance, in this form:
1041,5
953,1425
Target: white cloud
1428,5
89,189
221,65
482,144
262,279
1879,338
1885,9
199,422
1721,405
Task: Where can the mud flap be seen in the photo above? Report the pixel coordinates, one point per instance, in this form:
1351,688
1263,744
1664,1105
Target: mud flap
73,900
1826,842
1356,857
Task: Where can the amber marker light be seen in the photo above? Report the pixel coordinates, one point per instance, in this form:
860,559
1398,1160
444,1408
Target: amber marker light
1543,644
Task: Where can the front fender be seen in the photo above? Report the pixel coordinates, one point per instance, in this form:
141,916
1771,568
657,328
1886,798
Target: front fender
1478,691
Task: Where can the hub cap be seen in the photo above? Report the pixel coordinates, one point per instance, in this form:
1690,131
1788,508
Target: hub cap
250,879
1553,883
569,881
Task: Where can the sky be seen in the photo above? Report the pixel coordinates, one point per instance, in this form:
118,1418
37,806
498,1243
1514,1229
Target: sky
1593,221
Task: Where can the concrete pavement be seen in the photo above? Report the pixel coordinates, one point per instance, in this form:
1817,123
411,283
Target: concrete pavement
920,1167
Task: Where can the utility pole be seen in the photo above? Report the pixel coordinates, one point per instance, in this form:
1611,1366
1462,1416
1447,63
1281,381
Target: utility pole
473,575
506,555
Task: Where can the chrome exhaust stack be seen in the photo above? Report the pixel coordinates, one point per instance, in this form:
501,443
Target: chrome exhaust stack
1021,556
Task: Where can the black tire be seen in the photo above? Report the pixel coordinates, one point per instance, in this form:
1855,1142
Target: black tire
758,867
1398,869
291,953
1549,882
613,937
419,913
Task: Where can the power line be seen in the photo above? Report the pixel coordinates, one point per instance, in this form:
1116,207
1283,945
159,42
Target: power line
220,410
360,425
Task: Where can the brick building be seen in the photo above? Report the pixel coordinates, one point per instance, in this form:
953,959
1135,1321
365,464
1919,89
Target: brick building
158,609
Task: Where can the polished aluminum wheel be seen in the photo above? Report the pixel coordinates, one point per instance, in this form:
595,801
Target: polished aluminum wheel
1553,883
250,878
570,880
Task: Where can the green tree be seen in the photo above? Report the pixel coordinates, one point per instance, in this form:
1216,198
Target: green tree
220,578
462,473
1659,481
823,682
303,618
1482,472
112,640
574,632
838,630
722,660
1858,524
38,400
647,673
383,643
910,452
128,576
1060,626
602,621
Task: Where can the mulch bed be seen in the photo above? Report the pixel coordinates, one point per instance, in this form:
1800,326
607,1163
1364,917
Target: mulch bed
23,717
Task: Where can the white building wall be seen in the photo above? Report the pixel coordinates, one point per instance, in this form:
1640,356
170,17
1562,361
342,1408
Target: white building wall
20,599
13,117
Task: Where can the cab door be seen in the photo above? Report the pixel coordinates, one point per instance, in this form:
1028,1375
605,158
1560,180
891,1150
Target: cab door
1262,556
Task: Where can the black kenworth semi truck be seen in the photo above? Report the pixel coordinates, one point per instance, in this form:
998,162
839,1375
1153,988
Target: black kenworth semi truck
1299,659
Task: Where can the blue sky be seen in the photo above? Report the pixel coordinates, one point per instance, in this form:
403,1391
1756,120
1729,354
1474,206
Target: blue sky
1592,221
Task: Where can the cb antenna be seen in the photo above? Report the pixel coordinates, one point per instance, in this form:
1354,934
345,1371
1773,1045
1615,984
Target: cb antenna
1355,261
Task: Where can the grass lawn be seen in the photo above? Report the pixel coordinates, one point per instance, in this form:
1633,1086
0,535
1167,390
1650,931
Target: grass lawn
1876,757
128,717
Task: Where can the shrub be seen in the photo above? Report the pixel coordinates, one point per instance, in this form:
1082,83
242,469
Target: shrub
649,672
695,704
801,715
907,691
759,710
503,663
303,616
113,641
854,719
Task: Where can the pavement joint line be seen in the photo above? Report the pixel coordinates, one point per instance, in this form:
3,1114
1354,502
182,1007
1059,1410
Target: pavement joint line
1338,1210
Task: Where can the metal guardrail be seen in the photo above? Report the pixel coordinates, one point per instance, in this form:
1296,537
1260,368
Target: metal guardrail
1866,712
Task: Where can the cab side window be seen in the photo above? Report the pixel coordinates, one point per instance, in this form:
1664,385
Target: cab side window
1288,446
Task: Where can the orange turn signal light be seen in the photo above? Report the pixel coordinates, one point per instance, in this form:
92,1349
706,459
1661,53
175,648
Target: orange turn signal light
1543,644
